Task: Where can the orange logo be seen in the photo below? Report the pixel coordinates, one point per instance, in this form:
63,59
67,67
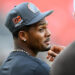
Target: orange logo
16,19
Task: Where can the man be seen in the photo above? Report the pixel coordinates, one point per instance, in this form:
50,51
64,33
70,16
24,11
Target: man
29,29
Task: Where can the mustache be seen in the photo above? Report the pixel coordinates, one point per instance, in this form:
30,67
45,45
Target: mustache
48,39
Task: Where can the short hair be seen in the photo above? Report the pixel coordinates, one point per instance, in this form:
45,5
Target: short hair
25,28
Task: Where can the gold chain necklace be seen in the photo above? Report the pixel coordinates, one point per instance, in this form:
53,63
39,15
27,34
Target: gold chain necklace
20,50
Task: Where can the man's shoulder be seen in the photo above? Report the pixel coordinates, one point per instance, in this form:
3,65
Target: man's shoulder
20,59
21,63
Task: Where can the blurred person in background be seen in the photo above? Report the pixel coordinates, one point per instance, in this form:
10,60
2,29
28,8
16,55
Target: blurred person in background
31,35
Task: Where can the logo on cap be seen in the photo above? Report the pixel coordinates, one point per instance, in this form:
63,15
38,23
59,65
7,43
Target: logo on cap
17,21
33,8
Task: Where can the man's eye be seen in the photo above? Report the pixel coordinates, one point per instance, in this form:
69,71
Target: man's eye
41,30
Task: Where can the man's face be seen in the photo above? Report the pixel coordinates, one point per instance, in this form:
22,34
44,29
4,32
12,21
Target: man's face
39,37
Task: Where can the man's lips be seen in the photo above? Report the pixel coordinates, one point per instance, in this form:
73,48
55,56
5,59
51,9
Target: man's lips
47,41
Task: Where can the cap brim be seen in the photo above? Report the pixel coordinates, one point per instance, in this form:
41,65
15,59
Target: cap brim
39,17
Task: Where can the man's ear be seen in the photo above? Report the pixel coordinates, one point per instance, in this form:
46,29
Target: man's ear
22,35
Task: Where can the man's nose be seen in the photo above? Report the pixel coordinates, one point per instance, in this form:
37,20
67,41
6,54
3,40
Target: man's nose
48,33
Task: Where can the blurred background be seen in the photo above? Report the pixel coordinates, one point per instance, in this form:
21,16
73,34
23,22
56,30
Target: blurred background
61,23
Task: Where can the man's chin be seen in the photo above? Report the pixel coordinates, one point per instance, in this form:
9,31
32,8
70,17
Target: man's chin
47,48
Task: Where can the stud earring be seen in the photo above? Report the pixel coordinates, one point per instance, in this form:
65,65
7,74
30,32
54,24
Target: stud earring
24,40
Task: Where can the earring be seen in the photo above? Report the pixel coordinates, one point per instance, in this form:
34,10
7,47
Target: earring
24,40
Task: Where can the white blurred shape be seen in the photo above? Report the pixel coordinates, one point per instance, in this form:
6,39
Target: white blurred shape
74,5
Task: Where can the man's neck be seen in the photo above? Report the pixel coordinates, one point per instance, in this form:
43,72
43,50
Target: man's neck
22,46
27,50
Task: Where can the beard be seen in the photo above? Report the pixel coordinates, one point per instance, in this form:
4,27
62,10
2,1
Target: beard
46,49
37,47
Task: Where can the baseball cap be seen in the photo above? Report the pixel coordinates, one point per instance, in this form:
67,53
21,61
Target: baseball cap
24,14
